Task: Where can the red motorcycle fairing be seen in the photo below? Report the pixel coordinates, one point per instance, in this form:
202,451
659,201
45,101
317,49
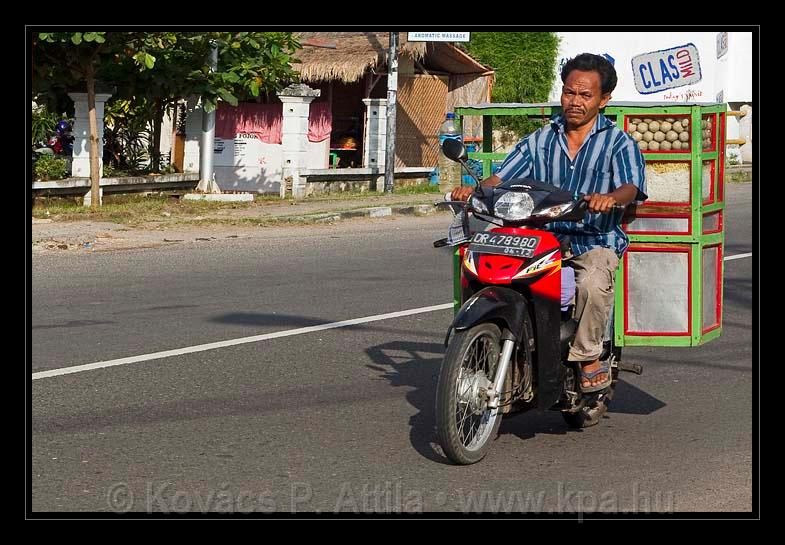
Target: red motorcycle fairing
540,276
539,272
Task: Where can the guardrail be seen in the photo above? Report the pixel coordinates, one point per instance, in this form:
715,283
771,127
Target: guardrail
126,184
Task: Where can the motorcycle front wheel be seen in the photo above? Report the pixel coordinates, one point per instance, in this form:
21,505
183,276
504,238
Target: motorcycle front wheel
465,425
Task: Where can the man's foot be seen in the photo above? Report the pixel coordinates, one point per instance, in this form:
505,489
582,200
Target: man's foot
594,376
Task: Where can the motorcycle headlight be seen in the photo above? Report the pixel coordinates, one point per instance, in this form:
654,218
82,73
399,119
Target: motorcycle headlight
554,211
514,206
478,205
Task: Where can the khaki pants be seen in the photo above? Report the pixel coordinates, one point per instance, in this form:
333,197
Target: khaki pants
595,274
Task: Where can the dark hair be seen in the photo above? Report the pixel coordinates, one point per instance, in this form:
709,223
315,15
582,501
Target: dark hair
586,62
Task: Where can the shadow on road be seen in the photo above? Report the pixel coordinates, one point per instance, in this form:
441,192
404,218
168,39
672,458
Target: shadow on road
416,364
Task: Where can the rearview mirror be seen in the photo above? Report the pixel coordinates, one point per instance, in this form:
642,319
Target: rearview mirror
454,150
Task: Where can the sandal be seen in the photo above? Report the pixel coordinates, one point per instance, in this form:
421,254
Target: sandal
590,375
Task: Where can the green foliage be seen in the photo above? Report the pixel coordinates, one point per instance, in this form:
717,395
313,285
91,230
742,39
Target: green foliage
525,64
44,124
127,133
50,167
152,70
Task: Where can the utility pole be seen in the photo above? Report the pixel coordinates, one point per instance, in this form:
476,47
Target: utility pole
392,91
206,183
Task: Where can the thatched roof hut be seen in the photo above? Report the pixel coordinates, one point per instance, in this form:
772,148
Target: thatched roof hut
347,56
433,77
353,54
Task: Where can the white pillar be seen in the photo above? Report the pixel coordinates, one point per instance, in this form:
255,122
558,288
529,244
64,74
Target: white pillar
375,135
81,158
294,134
745,132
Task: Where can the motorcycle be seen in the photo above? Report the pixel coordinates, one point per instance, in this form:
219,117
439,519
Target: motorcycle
61,144
508,344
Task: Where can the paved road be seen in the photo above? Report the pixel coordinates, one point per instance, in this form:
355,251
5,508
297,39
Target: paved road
342,419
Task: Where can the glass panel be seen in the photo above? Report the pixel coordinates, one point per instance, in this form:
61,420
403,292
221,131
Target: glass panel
659,225
710,286
668,182
711,222
658,294
707,181
708,131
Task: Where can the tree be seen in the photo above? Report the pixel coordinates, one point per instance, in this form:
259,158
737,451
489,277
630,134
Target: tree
161,67
249,63
76,58
525,64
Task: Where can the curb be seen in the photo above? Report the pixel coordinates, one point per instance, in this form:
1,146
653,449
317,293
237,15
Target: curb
375,212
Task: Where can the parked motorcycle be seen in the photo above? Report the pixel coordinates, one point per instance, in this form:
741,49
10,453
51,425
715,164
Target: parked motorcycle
61,144
507,346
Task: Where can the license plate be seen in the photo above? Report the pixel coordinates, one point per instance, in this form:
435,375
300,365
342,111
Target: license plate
502,244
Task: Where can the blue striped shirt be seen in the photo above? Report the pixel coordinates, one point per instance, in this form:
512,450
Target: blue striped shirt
607,159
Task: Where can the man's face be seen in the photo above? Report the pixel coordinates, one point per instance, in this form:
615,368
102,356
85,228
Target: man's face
582,98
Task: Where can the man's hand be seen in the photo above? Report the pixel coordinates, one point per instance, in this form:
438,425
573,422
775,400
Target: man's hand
600,202
462,193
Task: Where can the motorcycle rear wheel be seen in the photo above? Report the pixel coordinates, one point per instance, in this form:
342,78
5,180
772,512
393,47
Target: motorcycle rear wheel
465,426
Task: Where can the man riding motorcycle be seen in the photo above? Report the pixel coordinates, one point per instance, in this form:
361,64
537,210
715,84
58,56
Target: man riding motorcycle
583,152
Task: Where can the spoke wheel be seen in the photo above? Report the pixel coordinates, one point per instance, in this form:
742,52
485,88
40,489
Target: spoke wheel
465,424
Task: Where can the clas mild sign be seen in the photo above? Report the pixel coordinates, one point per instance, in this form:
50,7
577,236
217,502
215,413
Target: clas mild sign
661,70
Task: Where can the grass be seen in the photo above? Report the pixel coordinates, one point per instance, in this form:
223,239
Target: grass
420,189
125,209
135,209
738,177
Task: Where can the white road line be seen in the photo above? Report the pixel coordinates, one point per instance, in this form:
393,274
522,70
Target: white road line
234,342
738,256
255,338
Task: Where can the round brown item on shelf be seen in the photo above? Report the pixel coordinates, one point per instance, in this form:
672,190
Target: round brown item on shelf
648,136
659,136
347,142
654,145
654,126
665,146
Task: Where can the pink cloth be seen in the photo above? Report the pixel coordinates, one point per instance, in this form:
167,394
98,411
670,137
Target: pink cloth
262,120
265,121
224,121
320,122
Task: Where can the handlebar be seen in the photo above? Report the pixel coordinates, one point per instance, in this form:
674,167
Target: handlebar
449,200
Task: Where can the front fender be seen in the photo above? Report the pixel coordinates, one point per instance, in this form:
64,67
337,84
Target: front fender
500,304
490,304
